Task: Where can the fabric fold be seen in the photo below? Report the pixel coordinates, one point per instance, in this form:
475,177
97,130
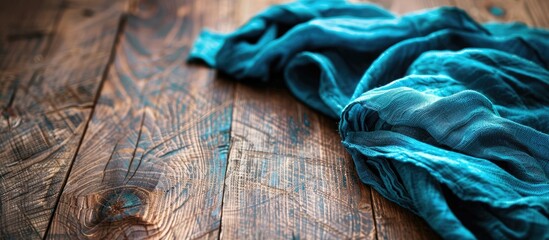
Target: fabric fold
444,116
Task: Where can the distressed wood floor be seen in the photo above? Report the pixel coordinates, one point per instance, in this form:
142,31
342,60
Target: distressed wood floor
105,132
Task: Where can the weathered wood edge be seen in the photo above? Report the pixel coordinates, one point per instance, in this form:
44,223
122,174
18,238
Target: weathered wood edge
119,32
40,157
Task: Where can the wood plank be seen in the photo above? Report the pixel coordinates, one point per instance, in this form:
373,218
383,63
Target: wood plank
25,35
153,161
25,32
395,222
537,10
18,17
51,70
288,175
22,40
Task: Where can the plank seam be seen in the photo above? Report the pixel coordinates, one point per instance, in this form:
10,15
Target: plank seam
120,31
231,144
373,212
135,151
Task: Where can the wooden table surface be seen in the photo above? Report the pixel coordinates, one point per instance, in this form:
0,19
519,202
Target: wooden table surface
106,132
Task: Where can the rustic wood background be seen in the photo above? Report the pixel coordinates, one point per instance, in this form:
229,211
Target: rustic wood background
105,132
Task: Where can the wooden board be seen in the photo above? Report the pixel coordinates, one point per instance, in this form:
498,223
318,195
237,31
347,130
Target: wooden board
22,212
52,65
25,33
153,161
288,176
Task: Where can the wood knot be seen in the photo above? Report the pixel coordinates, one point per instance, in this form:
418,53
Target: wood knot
123,211
121,204
87,12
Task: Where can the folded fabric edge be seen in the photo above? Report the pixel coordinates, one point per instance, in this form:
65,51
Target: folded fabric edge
206,47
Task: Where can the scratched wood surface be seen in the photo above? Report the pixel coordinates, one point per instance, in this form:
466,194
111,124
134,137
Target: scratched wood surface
52,59
153,160
105,132
288,175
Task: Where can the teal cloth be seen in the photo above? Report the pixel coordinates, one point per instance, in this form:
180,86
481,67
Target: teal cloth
444,116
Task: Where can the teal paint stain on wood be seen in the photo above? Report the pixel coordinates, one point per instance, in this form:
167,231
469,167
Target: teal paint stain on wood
274,179
297,130
321,205
294,130
136,44
306,121
496,11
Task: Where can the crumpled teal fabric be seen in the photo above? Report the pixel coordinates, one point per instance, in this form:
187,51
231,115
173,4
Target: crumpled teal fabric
444,116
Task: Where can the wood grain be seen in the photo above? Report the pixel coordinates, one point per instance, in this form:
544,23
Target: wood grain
288,175
153,161
23,213
25,33
395,222
537,10
54,61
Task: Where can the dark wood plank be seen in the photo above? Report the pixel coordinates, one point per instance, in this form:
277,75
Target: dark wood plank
289,177
153,160
54,61
18,17
25,36
26,32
